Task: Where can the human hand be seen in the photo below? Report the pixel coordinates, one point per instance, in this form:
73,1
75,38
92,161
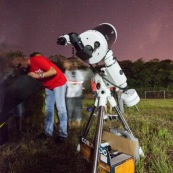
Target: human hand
34,75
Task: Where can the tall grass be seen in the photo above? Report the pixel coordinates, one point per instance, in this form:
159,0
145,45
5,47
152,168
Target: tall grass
152,125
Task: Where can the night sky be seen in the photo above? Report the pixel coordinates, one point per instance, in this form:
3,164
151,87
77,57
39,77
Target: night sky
145,27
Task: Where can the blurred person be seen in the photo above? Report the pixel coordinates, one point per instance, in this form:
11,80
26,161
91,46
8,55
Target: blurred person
19,111
74,94
54,81
7,76
5,72
93,87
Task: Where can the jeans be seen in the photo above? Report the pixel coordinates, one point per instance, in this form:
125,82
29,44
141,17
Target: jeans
55,96
74,108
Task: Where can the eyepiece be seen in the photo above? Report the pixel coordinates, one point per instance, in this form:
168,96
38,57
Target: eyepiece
61,41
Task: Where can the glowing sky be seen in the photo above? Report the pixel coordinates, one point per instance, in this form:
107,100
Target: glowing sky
145,27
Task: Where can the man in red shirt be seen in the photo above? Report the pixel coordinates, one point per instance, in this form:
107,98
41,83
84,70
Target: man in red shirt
54,82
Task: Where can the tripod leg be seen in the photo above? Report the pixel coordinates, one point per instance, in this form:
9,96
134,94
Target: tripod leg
121,118
136,108
86,130
97,140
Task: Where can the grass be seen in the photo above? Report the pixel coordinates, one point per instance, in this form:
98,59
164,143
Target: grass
152,125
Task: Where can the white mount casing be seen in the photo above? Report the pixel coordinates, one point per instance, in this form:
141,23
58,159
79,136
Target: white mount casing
130,97
88,38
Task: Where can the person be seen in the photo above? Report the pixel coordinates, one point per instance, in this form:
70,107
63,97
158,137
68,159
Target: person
93,87
6,75
19,111
74,94
54,82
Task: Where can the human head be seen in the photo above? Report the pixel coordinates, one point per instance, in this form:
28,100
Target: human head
18,60
70,64
35,54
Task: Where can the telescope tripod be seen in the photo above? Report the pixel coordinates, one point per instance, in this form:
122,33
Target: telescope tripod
100,103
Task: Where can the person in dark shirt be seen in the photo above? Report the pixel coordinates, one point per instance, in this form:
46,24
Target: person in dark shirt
54,81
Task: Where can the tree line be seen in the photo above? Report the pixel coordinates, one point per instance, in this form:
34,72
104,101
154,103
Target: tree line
142,75
153,74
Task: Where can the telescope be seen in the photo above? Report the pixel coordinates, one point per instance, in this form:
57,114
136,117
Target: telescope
92,47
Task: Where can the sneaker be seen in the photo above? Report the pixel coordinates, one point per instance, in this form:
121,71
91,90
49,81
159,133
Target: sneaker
60,139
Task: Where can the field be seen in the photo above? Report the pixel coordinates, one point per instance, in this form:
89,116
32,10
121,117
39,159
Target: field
152,125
